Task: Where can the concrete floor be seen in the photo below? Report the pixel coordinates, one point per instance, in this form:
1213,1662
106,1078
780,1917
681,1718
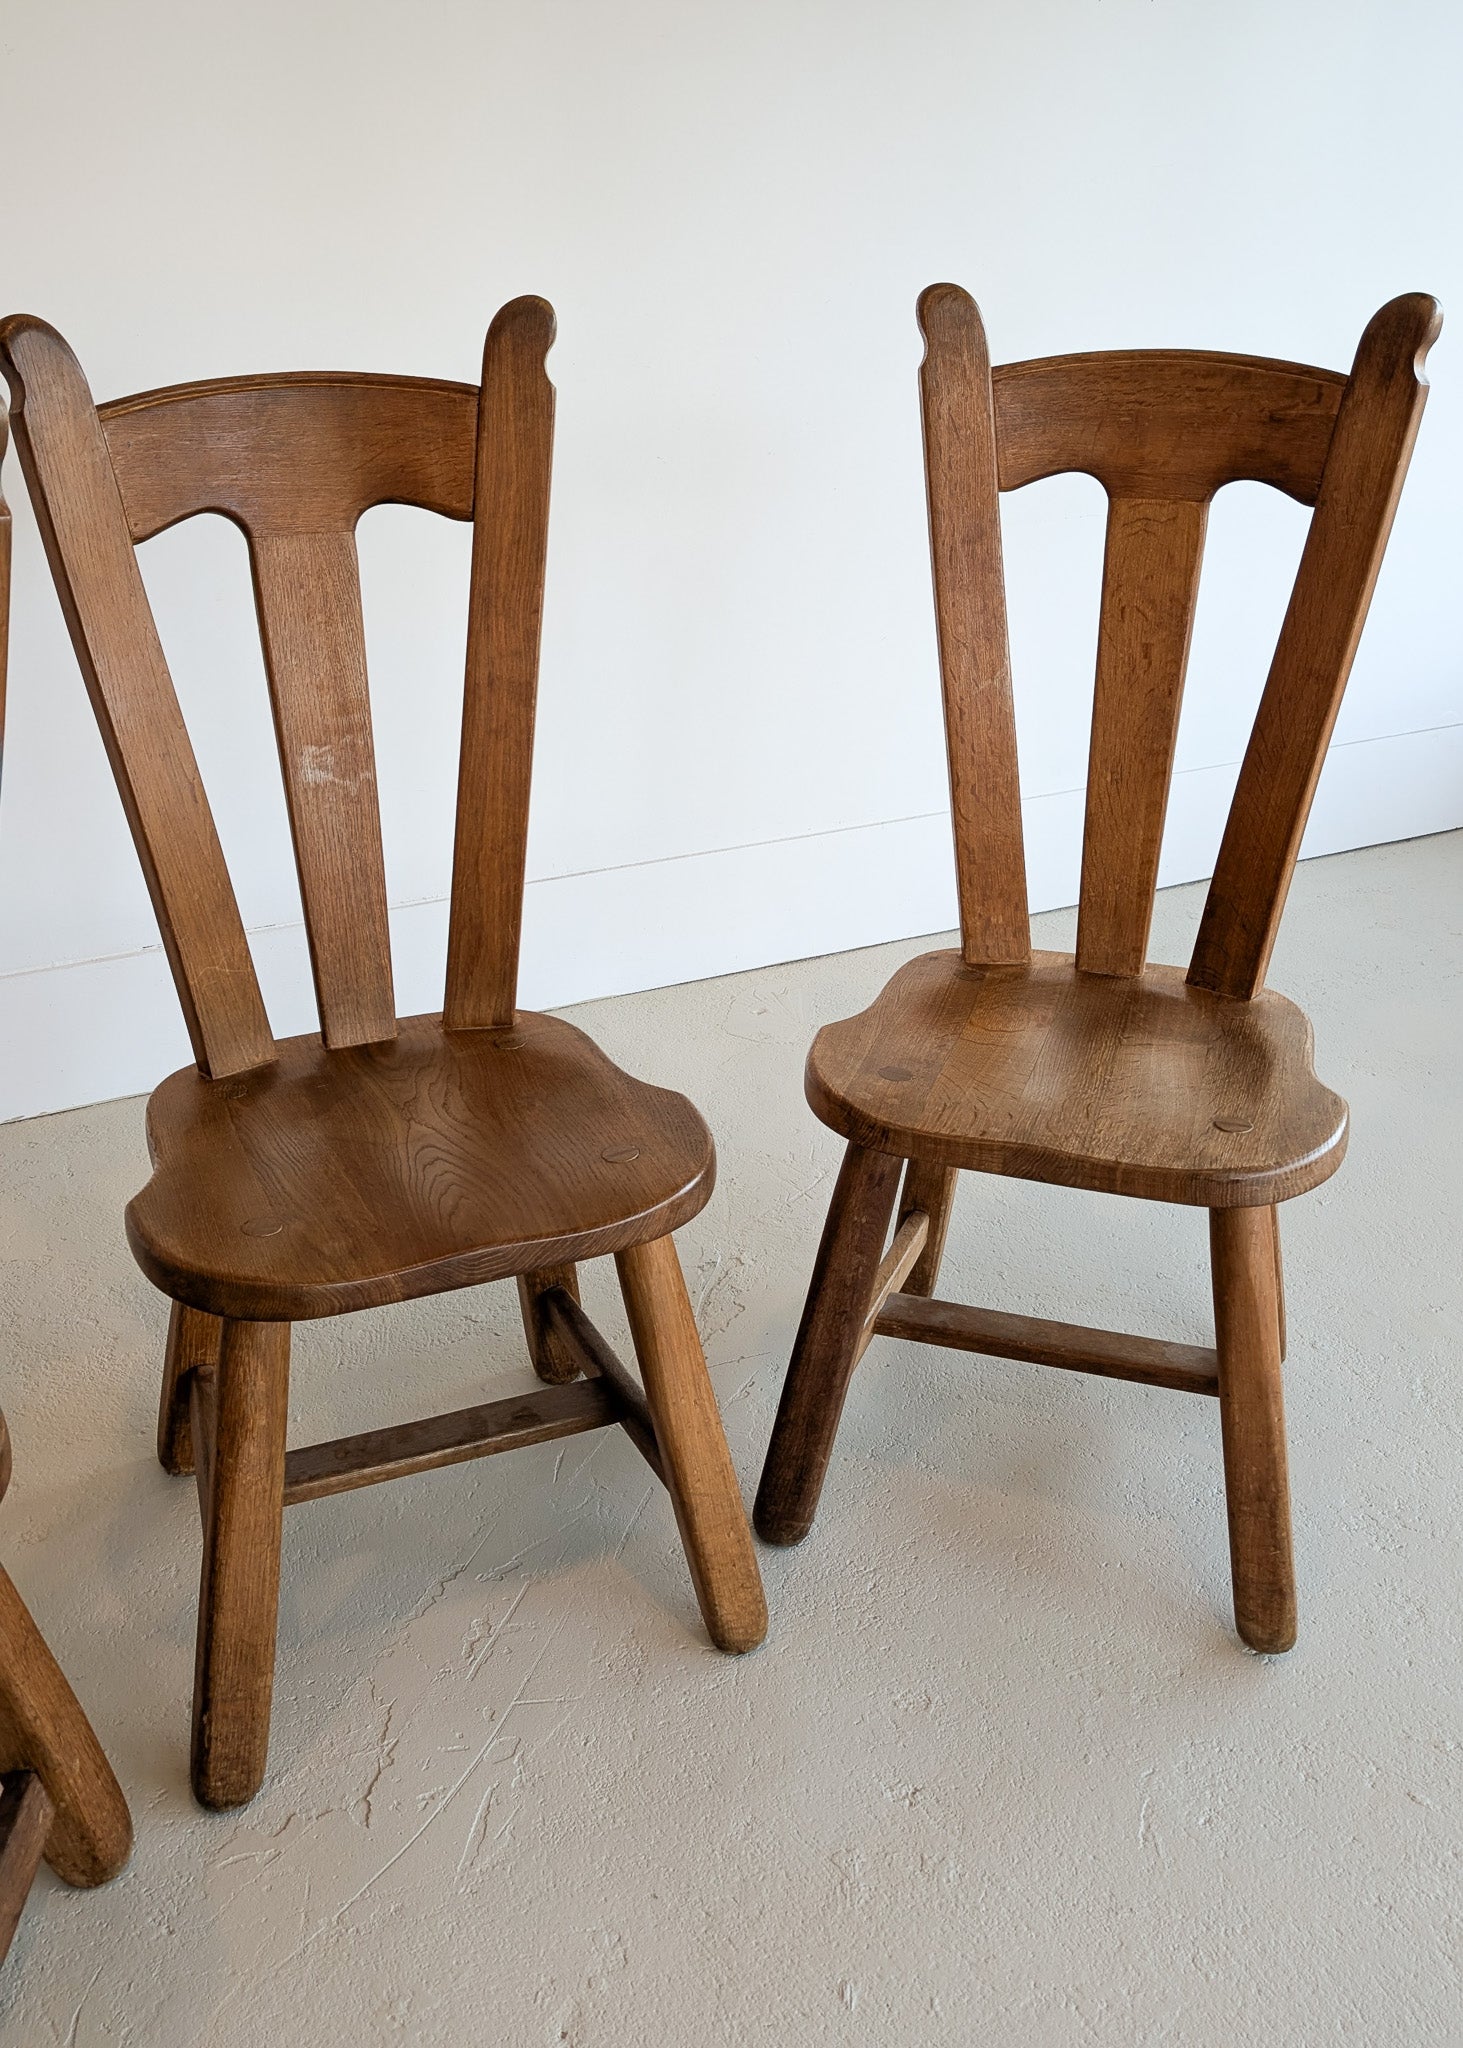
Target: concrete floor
1001,1772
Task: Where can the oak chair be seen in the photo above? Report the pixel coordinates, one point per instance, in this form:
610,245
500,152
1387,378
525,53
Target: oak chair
58,1797
380,1160
1101,1070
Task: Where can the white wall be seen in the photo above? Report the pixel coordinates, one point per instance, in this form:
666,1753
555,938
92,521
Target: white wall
733,208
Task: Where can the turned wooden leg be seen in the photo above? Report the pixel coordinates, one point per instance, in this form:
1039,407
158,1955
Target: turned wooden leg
932,1189
1252,1417
193,1341
826,1349
698,1467
550,1360
240,1419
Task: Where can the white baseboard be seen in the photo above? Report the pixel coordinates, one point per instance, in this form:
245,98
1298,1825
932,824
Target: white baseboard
90,1030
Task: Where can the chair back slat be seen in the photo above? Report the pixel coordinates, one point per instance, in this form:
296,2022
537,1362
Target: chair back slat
1150,582
83,525
970,616
514,454
308,593
1376,427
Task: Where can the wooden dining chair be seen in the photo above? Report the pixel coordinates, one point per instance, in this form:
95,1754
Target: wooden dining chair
1102,1070
380,1160
58,1797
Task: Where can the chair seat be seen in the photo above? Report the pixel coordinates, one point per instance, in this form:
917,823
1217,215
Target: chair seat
1141,1086
339,1180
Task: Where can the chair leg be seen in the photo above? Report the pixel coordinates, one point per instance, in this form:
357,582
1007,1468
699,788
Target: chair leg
549,1362
242,1490
1279,1276
698,1467
26,1814
193,1341
1252,1418
826,1349
931,1188
43,1729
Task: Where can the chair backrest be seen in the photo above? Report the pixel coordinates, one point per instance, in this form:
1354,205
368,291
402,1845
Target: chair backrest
295,461
1161,430
4,590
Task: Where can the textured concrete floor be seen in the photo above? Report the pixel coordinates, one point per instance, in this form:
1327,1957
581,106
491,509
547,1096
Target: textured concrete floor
1001,1772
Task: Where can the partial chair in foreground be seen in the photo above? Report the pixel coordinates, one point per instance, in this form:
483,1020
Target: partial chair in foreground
1100,1070
58,1797
376,1161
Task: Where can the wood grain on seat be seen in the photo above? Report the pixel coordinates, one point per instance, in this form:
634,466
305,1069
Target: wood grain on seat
340,1179
1143,1086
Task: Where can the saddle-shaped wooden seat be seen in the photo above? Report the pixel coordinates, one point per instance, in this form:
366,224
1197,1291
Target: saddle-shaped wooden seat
1102,1070
329,1181
381,1159
1146,1086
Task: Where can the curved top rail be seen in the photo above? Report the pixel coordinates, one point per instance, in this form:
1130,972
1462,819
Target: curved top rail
301,452
1166,423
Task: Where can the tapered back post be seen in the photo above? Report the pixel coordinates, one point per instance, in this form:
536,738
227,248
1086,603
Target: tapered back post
512,462
83,525
1376,427
970,616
